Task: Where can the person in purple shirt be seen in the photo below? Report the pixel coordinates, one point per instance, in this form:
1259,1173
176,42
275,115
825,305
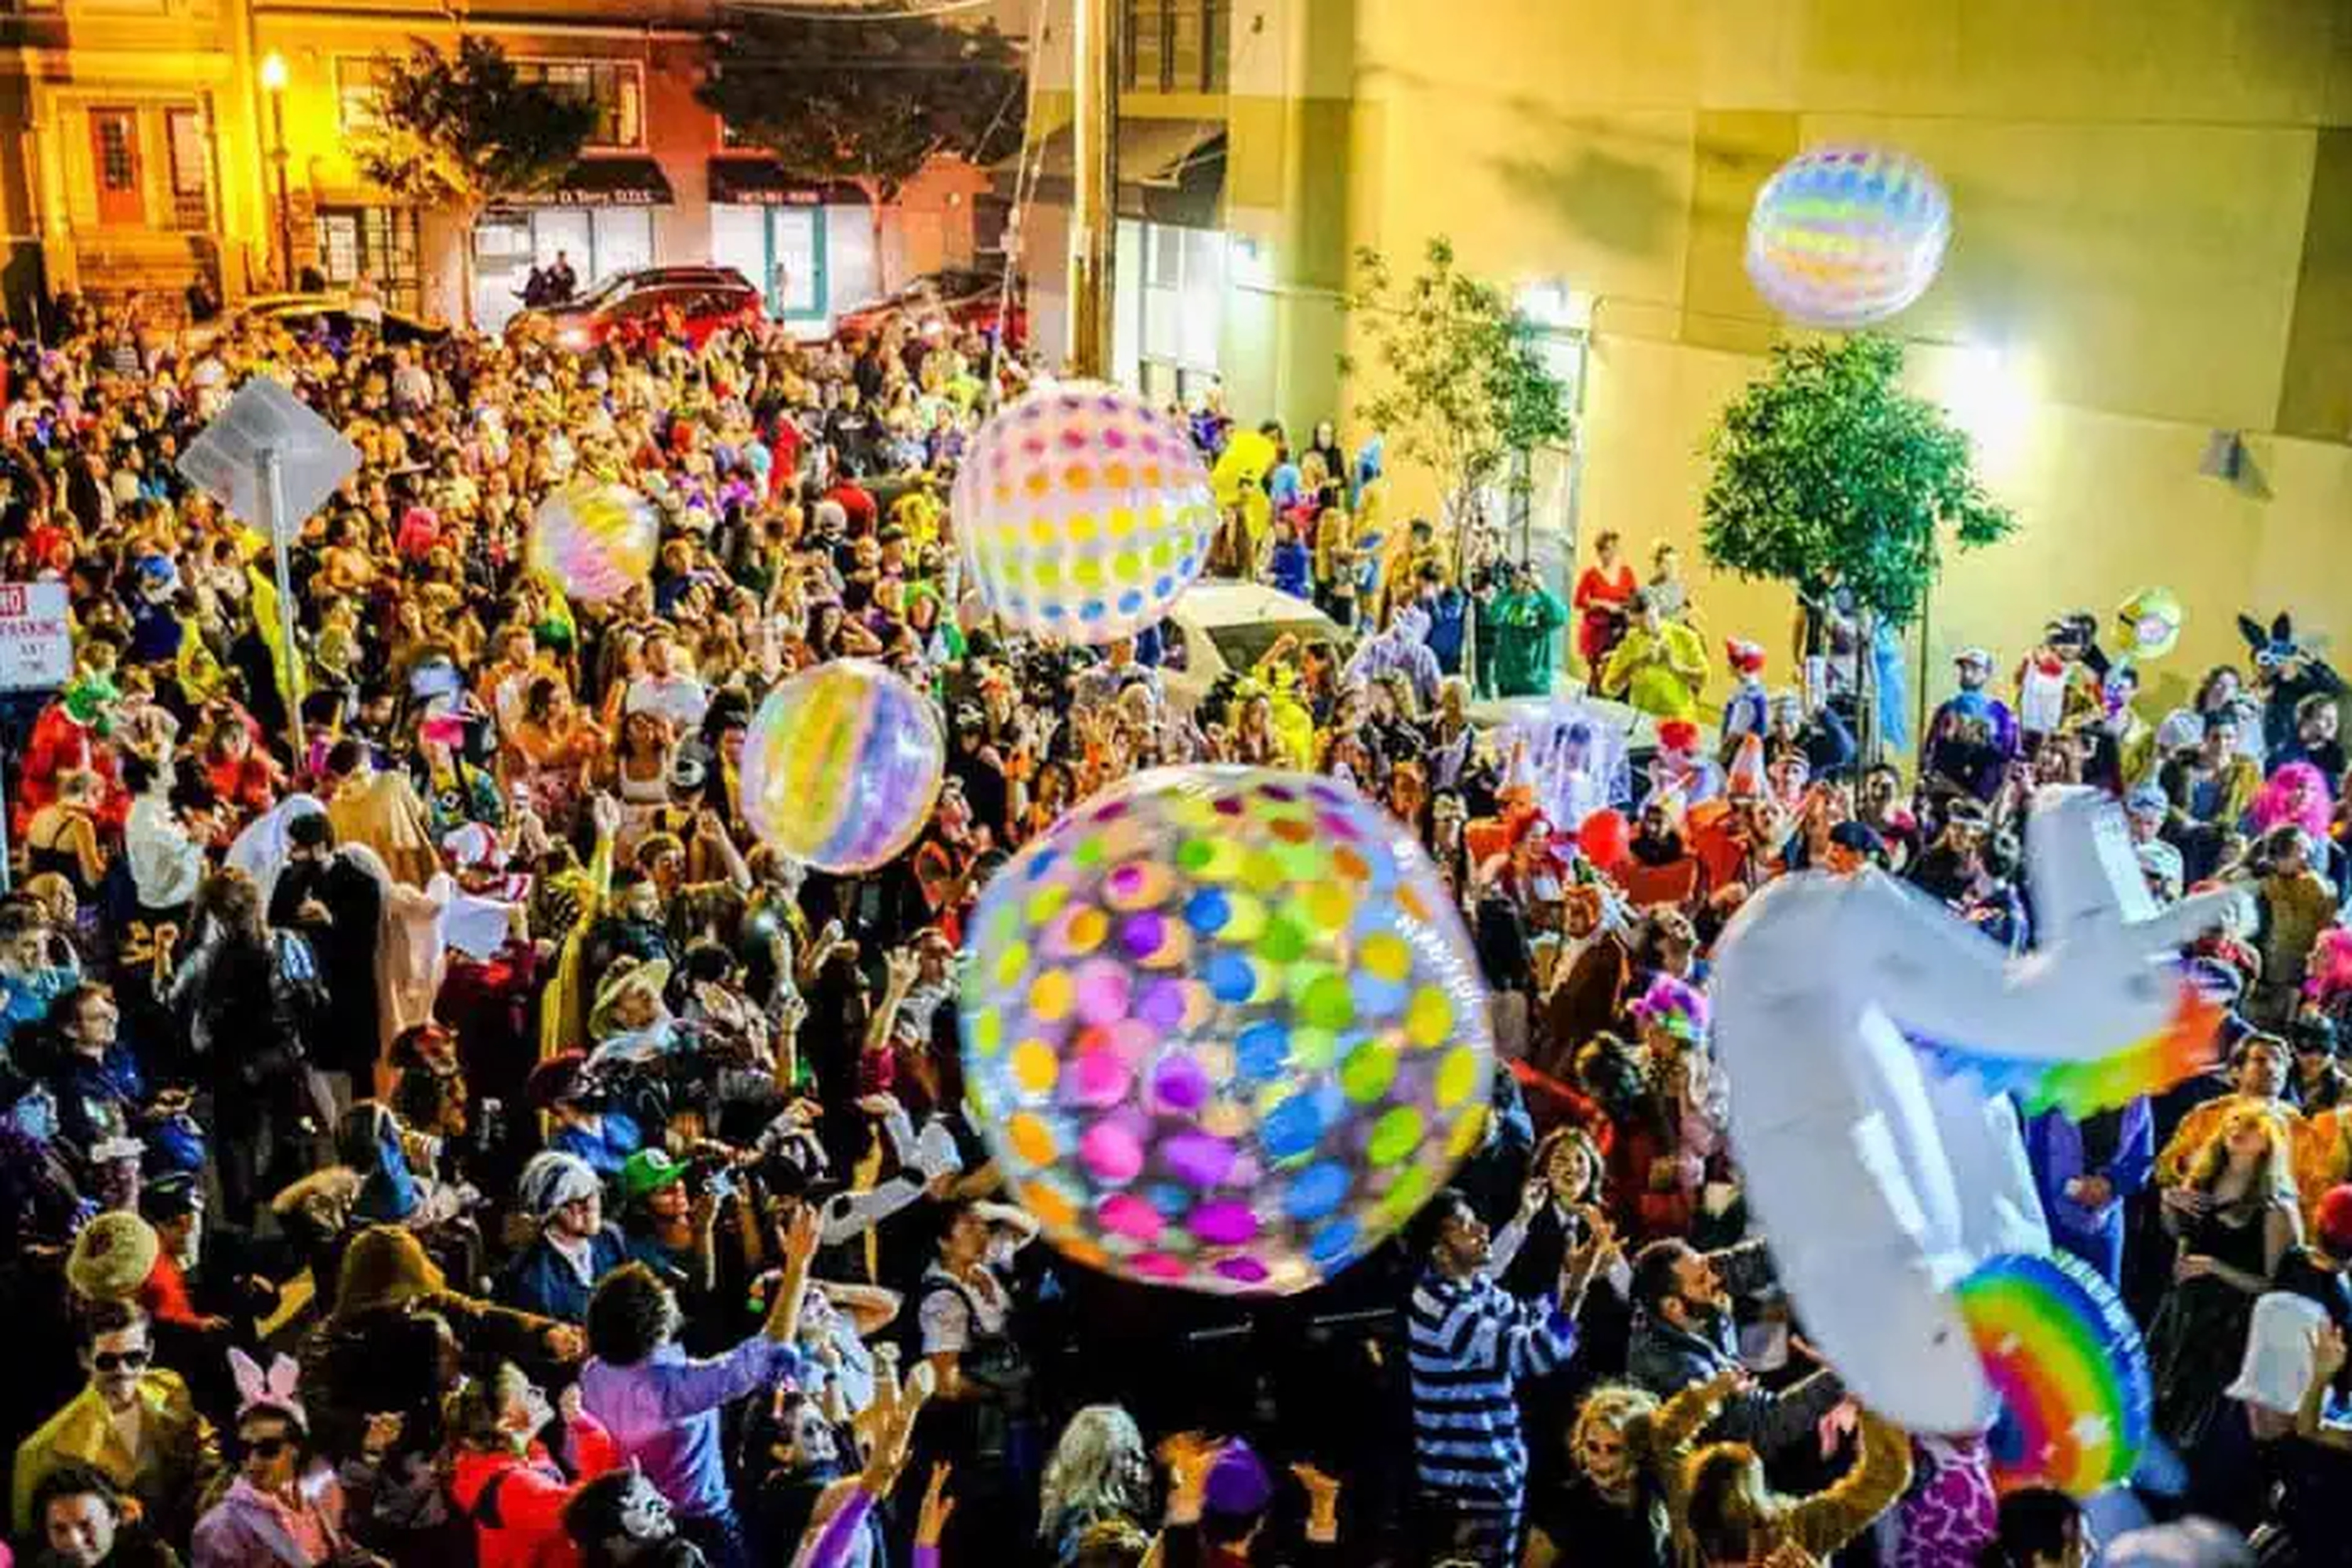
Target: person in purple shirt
2085,1170
662,1406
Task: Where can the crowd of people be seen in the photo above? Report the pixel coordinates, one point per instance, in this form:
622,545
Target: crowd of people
434,1130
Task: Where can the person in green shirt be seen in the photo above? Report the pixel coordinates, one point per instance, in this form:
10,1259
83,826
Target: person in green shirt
1517,630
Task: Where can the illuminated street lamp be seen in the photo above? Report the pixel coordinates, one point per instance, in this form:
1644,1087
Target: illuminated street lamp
273,82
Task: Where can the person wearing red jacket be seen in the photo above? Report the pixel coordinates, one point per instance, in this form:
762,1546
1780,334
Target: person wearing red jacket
505,1479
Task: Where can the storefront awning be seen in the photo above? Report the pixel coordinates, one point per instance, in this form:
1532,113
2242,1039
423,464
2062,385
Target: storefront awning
603,182
757,182
1169,171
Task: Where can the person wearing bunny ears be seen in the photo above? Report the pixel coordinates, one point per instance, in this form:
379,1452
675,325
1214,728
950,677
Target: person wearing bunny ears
285,1508
2287,668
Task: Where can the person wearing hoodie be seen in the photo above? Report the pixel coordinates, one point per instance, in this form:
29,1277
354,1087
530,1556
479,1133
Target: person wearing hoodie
503,1477
1402,649
387,1352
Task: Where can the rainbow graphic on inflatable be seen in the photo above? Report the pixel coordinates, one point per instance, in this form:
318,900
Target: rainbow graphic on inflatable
841,766
2185,1046
2076,1398
596,540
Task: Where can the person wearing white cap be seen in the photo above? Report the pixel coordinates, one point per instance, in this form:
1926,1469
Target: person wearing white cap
1973,737
574,1249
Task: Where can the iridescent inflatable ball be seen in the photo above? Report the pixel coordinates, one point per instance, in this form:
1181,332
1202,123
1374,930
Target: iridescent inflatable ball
841,766
1223,1029
596,540
1842,236
1083,513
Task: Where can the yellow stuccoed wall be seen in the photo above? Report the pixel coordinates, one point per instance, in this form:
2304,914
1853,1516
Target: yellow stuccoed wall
2132,180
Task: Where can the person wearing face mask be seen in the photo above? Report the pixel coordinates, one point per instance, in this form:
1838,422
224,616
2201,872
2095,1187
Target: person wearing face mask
663,1407
621,1521
1626,1450
1684,1332
132,1422
502,1475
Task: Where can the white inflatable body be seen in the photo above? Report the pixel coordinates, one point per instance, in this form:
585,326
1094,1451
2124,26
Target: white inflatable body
1881,1180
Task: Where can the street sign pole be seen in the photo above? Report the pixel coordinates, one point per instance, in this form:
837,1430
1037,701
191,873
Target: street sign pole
271,474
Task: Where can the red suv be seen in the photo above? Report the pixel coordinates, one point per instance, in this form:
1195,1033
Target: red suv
968,299
706,299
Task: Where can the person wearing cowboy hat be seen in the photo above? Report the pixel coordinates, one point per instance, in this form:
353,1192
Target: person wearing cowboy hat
555,1276
629,1021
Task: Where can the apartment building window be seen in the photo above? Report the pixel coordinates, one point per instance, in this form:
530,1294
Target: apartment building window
616,88
357,82
377,242
191,168
1177,46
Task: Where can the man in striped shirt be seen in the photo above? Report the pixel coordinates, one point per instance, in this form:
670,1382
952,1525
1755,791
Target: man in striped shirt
1470,1343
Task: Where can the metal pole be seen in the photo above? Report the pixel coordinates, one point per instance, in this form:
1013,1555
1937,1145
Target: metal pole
285,203
1094,214
275,522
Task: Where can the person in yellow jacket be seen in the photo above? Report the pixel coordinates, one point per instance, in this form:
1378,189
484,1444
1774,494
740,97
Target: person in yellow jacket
133,1422
2258,1077
1658,666
1731,1518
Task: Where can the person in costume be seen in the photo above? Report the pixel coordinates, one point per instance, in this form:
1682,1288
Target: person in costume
69,736
1659,665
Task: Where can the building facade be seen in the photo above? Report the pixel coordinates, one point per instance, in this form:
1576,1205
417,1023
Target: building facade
2150,263
169,142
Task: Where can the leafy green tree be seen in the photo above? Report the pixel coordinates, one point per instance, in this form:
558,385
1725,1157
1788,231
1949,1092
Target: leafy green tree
459,133
866,95
1463,384
1827,474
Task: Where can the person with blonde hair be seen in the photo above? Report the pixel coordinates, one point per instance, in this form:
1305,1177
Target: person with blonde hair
2232,1217
1099,1471
1734,1519
1627,1450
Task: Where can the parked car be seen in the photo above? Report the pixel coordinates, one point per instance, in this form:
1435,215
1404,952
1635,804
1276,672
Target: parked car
1219,626
970,299
707,298
302,314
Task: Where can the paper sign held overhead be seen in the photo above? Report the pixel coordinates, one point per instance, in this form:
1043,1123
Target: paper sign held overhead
225,461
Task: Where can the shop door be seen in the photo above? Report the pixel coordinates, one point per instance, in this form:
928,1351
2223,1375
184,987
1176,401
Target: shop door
115,159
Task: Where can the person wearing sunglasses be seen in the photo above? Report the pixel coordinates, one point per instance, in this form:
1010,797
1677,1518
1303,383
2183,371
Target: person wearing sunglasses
286,1507
132,1423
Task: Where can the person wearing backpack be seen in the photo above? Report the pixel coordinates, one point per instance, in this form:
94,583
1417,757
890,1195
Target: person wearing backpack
505,1478
254,1000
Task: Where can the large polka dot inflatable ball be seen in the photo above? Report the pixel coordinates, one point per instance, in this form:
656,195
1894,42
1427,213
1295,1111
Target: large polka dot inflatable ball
1224,1029
596,540
1843,237
1083,513
841,766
